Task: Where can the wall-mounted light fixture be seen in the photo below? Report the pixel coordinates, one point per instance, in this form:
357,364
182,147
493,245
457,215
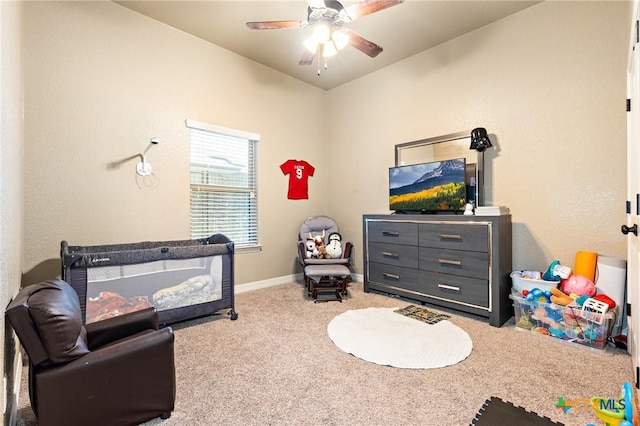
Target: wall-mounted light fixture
143,168
479,139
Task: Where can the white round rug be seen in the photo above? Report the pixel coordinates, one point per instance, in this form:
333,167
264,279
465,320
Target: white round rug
384,337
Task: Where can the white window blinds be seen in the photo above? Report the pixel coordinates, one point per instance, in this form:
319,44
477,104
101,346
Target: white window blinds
224,195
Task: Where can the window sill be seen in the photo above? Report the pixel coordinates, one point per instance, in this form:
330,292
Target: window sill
248,249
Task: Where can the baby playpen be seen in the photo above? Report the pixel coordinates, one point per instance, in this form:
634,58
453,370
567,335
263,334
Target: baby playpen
181,279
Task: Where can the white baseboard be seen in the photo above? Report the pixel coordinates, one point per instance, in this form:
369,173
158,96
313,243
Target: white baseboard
257,285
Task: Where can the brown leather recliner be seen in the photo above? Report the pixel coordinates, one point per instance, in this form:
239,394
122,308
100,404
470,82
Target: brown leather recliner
119,371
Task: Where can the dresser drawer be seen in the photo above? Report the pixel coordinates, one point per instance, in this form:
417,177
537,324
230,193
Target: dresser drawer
454,236
396,276
454,288
393,254
473,264
393,232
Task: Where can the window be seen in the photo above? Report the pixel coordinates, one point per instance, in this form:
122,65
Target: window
224,194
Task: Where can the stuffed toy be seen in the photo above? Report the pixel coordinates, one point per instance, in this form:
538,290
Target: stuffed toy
334,248
322,249
311,249
560,298
577,284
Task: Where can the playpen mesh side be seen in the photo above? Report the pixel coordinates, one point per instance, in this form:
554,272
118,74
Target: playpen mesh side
202,309
163,284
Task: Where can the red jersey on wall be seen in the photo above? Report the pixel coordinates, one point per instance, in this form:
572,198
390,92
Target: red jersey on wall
299,172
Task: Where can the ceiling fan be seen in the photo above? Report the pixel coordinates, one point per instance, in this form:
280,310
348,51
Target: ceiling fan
329,35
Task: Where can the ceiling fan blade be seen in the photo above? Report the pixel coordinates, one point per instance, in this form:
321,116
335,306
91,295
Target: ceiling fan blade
307,57
275,25
362,44
367,7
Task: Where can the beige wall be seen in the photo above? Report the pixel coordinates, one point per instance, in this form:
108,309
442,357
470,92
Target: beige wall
100,80
11,160
549,85
11,153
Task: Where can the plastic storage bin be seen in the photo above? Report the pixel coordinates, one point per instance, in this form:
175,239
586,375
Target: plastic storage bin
564,323
519,283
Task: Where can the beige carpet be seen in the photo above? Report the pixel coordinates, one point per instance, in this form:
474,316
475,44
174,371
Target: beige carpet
276,365
384,337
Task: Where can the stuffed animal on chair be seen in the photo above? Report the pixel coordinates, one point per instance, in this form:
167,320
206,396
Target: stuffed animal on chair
322,249
310,247
334,248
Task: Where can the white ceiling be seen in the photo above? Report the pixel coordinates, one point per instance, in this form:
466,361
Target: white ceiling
402,31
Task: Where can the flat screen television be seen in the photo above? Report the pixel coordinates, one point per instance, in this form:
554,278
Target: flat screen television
434,187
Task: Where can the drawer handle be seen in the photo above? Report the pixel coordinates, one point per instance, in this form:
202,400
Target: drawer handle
450,236
448,287
391,233
386,253
395,277
450,262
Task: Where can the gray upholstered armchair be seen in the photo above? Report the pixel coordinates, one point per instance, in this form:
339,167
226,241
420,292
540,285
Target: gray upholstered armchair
325,276
117,371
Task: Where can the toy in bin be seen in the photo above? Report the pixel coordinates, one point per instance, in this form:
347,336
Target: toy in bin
583,320
594,310
556,272
577,284
623,412
528,280
537,295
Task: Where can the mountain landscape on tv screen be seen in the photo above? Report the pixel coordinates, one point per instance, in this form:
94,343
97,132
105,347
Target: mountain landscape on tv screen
440,189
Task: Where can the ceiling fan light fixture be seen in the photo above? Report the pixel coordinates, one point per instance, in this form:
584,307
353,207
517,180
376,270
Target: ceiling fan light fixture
326,18
329,49
311,44
340,39
322,32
